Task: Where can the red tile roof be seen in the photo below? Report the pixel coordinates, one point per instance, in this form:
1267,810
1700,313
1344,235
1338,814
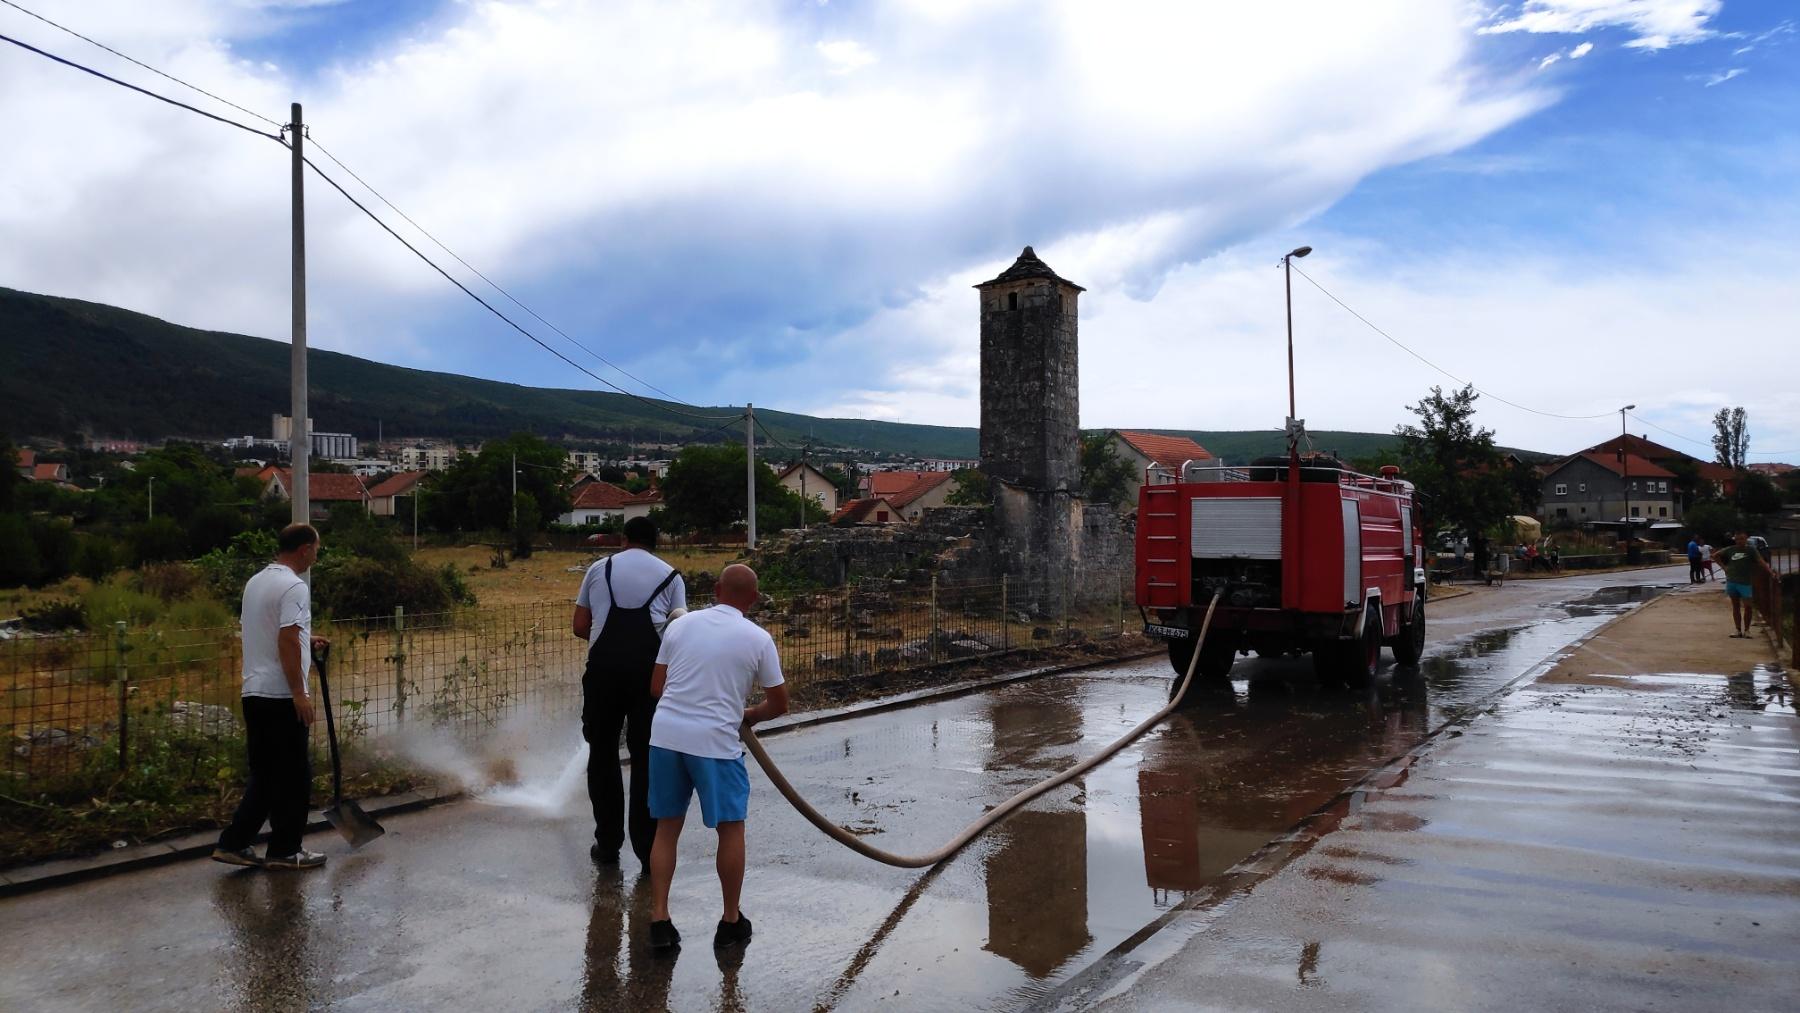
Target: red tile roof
27,458
858,511
1164,451
906,496
890,483
328,487
47,472
1634,465
599,495
400,483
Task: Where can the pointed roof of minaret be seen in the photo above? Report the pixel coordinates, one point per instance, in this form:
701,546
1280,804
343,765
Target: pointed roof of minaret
1029,266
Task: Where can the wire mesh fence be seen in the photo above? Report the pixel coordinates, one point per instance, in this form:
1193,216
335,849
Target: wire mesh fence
85,703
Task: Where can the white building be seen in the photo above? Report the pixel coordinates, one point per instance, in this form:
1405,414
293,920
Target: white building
809,482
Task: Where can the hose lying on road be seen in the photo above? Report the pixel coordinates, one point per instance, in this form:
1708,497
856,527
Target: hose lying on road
992,816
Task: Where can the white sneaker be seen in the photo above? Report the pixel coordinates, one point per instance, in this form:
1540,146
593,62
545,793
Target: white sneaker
302,859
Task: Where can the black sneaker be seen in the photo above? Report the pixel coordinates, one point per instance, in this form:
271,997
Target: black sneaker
732,933
243,856
663,936
603,857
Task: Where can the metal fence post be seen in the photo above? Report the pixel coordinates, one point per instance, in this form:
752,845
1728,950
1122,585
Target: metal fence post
934,619
1005,624
849,658
399,663
1119,585
124,696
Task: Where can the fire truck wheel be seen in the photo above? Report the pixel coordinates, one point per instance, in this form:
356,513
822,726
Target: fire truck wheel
1348,664
1410,644
1211,674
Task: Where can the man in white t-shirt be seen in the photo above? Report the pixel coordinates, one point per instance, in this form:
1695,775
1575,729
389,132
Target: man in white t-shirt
624,603
278,711
709,664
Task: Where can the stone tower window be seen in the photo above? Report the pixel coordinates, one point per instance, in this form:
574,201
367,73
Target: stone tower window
1012,300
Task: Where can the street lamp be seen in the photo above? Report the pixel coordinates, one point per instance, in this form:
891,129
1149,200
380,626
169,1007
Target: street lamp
152,498
1287,270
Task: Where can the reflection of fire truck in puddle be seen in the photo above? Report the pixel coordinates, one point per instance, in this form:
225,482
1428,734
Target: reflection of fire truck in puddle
1310,556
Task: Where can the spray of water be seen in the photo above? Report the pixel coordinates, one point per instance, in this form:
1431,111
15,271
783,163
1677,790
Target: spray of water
532,761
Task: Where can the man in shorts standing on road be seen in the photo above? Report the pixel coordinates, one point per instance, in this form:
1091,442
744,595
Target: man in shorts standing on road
710,662
1743,565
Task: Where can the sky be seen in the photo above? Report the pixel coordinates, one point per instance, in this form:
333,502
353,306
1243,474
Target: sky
1574,204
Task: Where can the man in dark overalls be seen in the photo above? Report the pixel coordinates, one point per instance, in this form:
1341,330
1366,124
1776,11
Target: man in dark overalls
624,603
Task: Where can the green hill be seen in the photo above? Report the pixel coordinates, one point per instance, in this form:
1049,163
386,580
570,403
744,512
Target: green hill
68,366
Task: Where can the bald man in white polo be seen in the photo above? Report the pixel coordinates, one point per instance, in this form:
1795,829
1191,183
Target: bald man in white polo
709,664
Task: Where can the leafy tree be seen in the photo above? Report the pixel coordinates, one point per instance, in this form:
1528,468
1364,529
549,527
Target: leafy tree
1459,474
972,488
1687,482
97,556
476,492
1731,437
1789,483
55,538
1527,486
1757,495
1713,522
157,540
525,523
1371,464
9,474
704,491
18,552
1104,477
213,526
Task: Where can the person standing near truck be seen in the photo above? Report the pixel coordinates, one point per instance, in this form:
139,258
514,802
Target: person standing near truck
278,712
1743,565
623,605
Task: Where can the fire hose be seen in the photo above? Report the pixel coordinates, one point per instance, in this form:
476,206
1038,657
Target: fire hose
992,816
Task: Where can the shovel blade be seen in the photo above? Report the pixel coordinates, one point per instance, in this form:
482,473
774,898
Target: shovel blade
356,826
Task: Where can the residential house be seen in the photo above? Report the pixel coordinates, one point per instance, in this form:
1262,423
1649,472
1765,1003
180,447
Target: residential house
24,461
324,490
870,510
597,502
1145,450
1723,480
931,489
384,495
1594,486
811,483
49,471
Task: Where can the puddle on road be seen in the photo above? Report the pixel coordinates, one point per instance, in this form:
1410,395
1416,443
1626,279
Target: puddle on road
1052,889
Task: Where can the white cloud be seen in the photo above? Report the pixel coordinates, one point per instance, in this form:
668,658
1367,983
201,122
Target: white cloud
1724,76
1548,60
1654,24
844,55
1580,51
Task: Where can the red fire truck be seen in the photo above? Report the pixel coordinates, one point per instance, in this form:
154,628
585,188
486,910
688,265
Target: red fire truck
1310,556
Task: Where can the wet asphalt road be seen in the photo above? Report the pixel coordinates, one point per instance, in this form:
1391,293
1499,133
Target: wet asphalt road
482,906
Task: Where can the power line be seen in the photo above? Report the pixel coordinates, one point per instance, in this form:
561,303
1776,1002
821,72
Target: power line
491,282
365,210
360,206
153,70
1705,443
1398,344
142,91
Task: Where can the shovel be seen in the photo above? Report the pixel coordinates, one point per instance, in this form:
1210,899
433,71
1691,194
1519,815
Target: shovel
358,827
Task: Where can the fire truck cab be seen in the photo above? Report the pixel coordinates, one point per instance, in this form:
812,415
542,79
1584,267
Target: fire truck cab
1310,557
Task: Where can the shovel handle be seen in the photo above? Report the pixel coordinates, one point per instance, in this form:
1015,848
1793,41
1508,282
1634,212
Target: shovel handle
337,769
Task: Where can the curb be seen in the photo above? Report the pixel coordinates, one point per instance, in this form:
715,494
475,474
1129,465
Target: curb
68,871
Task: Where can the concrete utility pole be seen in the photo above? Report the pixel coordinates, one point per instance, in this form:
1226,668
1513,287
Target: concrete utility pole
750,470
515,488
803,467
152,499
299,433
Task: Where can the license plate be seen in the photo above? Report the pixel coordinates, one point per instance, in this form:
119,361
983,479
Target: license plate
1167,632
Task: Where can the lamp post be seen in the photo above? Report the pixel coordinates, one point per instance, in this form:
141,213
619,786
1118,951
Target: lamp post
1287,272
152,498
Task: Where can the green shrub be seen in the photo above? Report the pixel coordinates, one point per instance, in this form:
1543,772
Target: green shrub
18,552
107,604
213,527
54,616
197,613
55,538
169,581
360,588
226,571
97,557
455,586
157,540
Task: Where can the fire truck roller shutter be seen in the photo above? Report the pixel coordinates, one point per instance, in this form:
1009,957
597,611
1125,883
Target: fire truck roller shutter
1242,527
1353,561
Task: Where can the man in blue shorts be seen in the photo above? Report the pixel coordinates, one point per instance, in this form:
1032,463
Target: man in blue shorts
709,663
1742,566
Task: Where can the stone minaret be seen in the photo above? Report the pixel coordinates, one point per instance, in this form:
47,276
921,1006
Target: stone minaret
1031,421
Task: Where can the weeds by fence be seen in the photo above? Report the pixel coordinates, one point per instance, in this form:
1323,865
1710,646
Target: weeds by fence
77,706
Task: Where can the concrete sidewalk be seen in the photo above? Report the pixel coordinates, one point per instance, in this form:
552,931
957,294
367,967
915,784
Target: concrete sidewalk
1621,834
